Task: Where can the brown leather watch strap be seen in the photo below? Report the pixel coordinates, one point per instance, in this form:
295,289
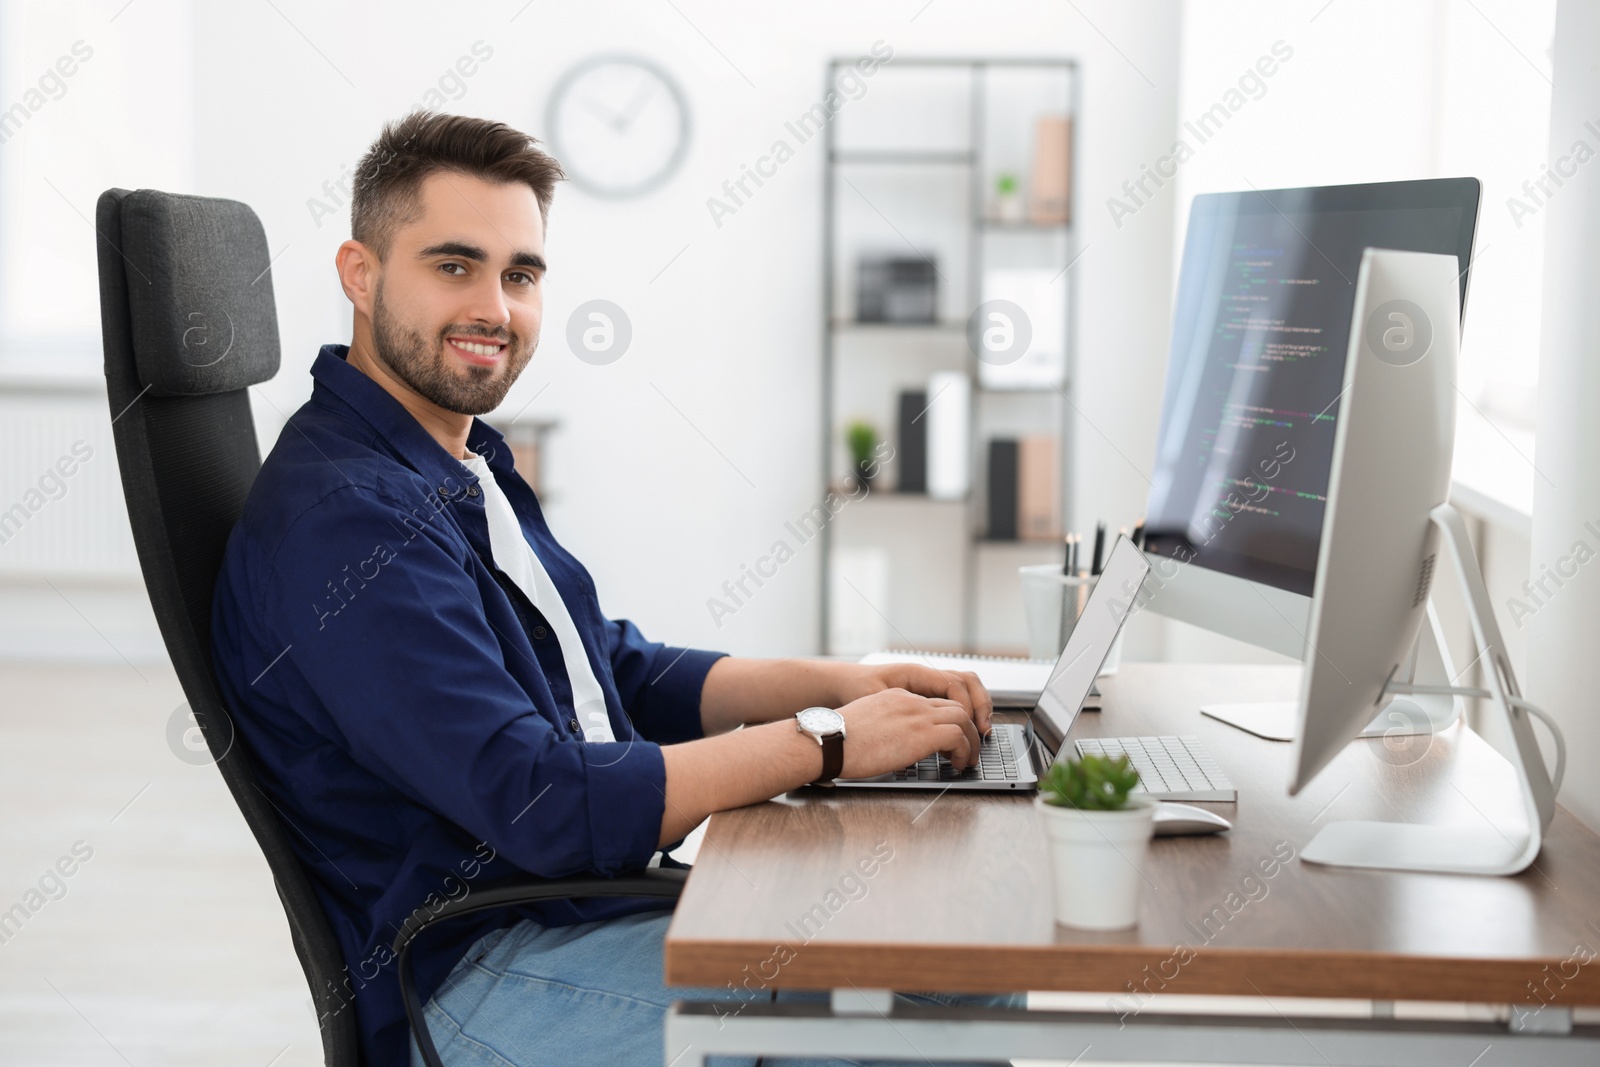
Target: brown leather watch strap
832,757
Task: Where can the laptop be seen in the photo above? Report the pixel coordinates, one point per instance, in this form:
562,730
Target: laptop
1004,761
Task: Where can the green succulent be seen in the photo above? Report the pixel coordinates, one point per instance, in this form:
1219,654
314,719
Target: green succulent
1006,184
861,437
1092,783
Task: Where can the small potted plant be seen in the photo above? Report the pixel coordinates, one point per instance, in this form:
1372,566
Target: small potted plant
862,438
1007,199
1098,834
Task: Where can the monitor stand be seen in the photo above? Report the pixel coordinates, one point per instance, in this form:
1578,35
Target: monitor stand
1401,716
1471,848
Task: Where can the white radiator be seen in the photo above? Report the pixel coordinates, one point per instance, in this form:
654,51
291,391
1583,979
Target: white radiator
61,506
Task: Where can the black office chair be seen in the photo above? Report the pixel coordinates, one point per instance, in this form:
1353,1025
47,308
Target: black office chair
189,324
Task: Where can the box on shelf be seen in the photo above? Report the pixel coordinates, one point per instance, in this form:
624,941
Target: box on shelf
897,289
1050,197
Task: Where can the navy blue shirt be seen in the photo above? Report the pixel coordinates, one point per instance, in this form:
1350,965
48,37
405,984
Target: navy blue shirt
407,706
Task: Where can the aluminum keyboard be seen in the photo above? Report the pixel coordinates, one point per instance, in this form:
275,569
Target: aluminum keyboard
1170,767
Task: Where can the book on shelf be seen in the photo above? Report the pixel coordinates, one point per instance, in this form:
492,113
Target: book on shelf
949,427
1003,509
1024,497
1038,488
1050,199
911,461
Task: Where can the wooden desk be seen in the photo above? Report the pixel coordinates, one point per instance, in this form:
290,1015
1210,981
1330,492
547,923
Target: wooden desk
958,895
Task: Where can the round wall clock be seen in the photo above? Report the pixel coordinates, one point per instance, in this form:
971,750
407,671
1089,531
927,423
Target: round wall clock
618,124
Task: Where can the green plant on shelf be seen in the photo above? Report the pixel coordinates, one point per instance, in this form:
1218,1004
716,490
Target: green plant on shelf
862,437
1091,783
1007,199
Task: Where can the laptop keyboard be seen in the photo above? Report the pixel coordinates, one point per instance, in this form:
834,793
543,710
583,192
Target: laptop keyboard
997,762
1170,767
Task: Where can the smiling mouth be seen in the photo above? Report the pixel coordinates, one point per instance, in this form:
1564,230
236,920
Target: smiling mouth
477,351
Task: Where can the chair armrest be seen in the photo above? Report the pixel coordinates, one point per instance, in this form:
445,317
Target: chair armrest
665,883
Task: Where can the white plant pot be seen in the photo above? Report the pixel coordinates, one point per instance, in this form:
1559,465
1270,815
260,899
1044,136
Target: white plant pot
1097,860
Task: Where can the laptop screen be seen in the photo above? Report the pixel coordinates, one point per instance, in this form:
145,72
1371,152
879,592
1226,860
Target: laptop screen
1109,606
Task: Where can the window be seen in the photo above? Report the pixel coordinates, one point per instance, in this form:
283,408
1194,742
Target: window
90,98
1493,101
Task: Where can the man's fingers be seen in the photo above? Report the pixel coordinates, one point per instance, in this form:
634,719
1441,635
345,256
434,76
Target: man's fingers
982,702
957,688
954,714
955,745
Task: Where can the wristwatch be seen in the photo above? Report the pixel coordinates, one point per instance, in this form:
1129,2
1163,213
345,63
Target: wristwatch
827,727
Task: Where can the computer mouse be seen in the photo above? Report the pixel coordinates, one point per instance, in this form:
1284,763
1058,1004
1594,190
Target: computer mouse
1174,819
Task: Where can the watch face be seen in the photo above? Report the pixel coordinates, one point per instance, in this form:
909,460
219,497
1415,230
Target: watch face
821,721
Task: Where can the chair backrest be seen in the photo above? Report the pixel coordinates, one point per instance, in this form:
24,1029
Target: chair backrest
189,324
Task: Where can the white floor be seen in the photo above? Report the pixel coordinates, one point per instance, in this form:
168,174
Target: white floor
168,945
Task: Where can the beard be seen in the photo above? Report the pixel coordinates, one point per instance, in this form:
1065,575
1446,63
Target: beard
426,367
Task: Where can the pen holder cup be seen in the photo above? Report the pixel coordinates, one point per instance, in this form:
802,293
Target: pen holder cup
1053,601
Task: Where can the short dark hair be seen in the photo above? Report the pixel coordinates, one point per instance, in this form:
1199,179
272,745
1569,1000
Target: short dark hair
388,181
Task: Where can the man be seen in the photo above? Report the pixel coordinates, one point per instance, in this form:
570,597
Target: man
435,699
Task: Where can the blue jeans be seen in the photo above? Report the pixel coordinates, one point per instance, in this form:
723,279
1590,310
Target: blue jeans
591,993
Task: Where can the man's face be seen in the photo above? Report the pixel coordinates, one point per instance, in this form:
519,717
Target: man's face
469,272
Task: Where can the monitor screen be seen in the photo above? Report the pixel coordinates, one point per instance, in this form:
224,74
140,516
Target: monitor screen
1259,337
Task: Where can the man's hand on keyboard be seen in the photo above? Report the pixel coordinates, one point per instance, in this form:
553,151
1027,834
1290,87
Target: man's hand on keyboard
962,687
894,728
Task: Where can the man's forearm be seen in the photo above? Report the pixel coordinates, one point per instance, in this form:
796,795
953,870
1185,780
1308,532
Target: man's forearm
732,770
896,713
738,690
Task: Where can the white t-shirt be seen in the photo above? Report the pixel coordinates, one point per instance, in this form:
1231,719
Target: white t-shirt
516,557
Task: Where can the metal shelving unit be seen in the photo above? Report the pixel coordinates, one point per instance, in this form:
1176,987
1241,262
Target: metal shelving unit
969,163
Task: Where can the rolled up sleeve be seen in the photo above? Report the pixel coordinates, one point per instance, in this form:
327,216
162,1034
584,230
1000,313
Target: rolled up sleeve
660,685
408,672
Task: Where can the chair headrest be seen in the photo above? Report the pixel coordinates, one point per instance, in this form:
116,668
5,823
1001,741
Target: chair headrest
199,293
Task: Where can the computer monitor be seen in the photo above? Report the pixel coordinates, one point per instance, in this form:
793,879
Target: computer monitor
1252,399
1386,517
1392,451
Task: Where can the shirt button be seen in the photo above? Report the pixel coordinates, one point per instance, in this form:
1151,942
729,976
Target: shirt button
539,633
472,490
573,725
444,492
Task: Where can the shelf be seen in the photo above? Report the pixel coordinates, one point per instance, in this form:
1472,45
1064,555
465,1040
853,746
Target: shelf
1025,227
939,566
954,158
852,325
894,496
1043,390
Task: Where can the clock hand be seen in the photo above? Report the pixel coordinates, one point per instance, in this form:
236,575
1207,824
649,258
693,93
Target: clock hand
611,118
646,91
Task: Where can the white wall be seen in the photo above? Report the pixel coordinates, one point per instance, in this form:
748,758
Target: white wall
730,331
